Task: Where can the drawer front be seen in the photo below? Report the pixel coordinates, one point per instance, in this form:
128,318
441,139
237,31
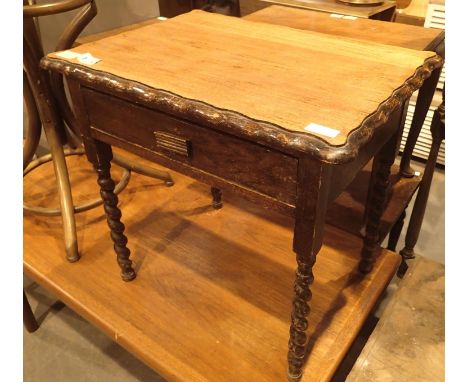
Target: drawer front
236,160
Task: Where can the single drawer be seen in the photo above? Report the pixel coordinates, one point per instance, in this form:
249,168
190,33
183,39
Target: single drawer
233,159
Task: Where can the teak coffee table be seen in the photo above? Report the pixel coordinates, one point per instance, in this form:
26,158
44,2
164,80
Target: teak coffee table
226,101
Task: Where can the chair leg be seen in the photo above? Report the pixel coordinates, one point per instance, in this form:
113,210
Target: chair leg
143,170
29,320
64,189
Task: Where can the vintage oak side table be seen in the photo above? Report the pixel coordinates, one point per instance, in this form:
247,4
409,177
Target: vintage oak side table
224,101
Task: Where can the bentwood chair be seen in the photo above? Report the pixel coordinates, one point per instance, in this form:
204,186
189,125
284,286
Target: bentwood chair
47,107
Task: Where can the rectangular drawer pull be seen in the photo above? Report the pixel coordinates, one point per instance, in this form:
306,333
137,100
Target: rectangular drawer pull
172,143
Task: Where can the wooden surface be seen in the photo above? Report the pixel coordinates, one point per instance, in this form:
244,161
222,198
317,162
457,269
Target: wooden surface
209,58
333,6
408,343
405,36
212,297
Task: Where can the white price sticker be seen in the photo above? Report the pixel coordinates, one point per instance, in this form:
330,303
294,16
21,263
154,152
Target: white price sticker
68,54
88,59
84,58
322,130
349,18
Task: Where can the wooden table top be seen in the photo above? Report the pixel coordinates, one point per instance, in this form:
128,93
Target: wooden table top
403,35
208,303
249,75
334,6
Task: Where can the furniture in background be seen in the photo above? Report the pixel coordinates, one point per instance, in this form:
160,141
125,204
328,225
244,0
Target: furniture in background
412,12
249,6
348,211
47,108
171,8
262,145
417,216
420,145
384,11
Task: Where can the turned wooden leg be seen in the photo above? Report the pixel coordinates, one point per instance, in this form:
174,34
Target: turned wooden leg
297,333
100,155
377,200
217,202
419,208
396,232
29,320
311,204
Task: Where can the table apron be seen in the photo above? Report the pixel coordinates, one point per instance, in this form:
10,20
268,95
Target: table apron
207,155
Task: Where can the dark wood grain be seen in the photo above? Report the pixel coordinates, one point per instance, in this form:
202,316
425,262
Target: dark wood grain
244,163
205,177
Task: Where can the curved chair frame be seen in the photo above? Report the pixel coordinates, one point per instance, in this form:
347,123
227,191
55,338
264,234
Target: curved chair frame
48,109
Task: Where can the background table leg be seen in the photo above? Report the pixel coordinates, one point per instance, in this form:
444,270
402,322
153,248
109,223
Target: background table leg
417,215
217,198
423,102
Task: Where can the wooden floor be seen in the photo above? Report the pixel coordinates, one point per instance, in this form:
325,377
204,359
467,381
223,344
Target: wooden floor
212,298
